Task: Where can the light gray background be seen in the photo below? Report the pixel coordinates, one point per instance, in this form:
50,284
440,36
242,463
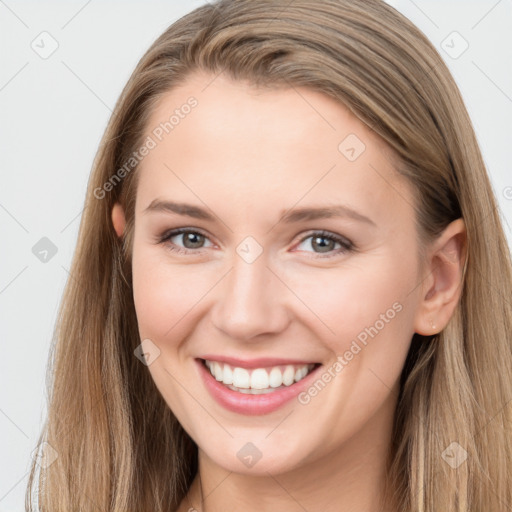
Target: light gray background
52,115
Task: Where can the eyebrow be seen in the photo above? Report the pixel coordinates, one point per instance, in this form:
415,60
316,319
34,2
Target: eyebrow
324,212
289,217
188,210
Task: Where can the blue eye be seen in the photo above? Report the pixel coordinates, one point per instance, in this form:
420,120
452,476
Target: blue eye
191,239
323,243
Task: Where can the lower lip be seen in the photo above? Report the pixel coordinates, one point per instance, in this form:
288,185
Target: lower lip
242,403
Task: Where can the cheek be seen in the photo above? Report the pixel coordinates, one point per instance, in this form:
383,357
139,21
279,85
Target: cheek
363,314
348,299
165,293
371,311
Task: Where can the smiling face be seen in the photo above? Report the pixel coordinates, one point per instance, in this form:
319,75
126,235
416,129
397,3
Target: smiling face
253,278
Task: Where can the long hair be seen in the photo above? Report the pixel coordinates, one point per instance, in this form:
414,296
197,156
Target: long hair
118,445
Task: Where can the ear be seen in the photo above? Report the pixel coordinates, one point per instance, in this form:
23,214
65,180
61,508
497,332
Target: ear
441,289
118,219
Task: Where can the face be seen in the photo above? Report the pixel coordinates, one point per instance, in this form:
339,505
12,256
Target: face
298,248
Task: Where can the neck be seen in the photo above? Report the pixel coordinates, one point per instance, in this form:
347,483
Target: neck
352,477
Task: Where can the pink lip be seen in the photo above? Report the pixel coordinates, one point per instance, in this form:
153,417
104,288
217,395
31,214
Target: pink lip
262,362
252,404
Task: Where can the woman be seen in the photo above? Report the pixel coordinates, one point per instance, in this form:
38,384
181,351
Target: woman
291,285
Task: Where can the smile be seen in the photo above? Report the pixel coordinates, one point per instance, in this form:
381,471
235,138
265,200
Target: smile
258,380
274,386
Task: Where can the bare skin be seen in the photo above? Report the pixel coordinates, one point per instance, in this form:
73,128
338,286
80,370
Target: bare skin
247,156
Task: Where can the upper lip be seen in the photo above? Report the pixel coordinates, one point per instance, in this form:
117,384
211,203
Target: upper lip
260,362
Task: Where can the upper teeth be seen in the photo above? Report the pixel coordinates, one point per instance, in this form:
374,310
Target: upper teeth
258,378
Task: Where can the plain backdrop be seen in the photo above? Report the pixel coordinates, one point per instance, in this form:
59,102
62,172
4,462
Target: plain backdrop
62,67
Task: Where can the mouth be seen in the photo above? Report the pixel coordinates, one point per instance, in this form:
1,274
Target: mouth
258,381
255,391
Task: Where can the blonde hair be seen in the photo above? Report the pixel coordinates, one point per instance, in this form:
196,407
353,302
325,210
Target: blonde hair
119,445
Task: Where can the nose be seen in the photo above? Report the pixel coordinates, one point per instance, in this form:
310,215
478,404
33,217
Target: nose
251,301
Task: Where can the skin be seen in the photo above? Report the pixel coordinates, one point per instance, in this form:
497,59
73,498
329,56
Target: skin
247,155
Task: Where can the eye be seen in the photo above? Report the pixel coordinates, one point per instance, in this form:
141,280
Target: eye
192,240
322,242
325,242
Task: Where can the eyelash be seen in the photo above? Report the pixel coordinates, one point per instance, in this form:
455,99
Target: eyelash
346,245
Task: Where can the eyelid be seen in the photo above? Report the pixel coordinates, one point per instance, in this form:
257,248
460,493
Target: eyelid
346,244
170,233
327,234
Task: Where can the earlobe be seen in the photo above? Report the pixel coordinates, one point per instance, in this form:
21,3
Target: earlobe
442,288
118,219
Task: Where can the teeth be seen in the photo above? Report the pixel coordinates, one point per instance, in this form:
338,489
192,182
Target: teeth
257,380
241,378
217,371
252,391
288,375
227,375
275,378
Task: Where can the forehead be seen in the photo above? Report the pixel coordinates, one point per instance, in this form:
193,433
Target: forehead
227,143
